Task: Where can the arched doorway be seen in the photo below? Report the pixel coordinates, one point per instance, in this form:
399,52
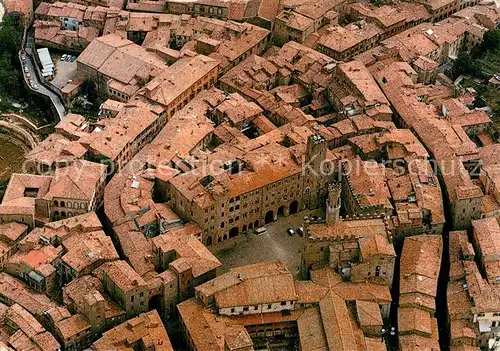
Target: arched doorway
269,217
155,303
294,207
244,229
250,226
209,241
281,211
233,232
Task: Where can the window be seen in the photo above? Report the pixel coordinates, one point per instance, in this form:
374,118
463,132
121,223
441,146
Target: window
245,309
268,307
132,298
222,225
283,303
232,310
141,294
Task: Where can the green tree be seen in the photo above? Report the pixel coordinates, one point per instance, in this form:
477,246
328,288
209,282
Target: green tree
10,36
491,41
10,69
9,75
496,110
464,64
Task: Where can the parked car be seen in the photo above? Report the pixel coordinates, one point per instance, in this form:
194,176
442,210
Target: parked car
23,57
68,58
35,86
300,231
393,331
260,230
73,58
26,70
63,57
290,231
28,75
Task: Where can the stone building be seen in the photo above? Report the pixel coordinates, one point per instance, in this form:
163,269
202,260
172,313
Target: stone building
253,189
257,305
359,247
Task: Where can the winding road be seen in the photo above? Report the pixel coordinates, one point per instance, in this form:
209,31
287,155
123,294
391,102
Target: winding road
34,74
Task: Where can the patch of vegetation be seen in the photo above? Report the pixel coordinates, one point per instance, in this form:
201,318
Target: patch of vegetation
483,60
10,68
88,105
3,187
12,89
478,67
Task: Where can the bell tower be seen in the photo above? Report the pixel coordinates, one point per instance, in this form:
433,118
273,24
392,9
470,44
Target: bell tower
333,203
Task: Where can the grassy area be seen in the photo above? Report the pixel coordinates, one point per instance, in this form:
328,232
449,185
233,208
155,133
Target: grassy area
490,63
11,157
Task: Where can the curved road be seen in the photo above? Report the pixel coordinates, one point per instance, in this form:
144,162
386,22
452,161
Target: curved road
30,63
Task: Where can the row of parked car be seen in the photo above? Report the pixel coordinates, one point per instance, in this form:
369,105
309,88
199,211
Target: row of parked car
290,231
68,58
27,72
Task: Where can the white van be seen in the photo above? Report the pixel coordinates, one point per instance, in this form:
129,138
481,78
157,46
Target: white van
260,231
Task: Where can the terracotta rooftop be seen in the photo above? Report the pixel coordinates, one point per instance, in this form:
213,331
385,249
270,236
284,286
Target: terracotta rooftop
388,15
12,232
122,275
86,250
420,264
78,181
261,283
486,234
147,327
177,79
16,291
119,59
357,75
340,39
187,249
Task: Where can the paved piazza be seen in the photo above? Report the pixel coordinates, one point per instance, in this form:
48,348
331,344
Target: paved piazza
274,244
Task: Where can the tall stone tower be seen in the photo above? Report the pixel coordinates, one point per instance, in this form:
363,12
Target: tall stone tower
314,169
333,203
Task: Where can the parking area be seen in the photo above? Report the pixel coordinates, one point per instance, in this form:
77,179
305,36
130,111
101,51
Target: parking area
274,244
65,70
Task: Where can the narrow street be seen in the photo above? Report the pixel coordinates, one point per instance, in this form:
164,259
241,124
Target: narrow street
441,298
444,273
